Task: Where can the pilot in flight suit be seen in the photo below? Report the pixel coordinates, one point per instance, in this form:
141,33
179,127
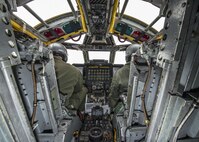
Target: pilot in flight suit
69,78
120,79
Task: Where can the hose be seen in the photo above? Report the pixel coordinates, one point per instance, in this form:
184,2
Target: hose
115,135
120,40
188,114
125,132
35,92
143,96
75,40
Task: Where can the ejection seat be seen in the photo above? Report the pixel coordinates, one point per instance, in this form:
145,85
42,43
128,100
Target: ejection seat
50,121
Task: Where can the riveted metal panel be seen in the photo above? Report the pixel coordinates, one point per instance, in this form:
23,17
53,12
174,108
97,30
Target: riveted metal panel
8,47
174,32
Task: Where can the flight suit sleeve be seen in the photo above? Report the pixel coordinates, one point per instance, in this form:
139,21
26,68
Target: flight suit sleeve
79,93
114,92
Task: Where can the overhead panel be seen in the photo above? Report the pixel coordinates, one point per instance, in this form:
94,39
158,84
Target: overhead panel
98,22
62,31
131,33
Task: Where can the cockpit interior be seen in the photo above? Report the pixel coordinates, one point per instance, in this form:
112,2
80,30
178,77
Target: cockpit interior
160,100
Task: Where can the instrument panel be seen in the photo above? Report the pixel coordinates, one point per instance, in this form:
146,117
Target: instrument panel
98,76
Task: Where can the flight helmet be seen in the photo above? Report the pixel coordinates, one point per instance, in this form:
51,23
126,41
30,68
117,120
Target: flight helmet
130,50
59,49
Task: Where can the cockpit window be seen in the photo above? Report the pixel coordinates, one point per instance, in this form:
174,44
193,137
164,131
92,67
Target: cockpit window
104,55
75,56
120,57
143,11
46,9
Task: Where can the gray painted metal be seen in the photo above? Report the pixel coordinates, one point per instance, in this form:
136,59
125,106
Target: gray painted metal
13,107
52,82
185,118
133,100
162,101
189,140
13,103
176,43
136,133
7,133
151,91
72,8
23,74
22,2
8,48
174,31
193,130
48,101
176,110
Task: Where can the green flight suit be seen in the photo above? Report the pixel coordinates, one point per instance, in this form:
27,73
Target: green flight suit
70,83
119,84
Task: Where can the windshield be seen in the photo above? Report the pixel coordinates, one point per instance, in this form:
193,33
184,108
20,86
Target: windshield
104,55
78,58
120,57
46,9
143,11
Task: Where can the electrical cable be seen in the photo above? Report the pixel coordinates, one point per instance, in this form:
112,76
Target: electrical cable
125,132
143,96
35,92
122,41
75,40
115,135
188,114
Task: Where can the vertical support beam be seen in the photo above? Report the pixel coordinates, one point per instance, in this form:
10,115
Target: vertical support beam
48,101
112,57
161,103
13,103
115,6
18,121
83,18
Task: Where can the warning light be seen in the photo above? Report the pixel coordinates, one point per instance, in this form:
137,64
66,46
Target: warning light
144,38
119,27
59,31
136,34
129,31
49,35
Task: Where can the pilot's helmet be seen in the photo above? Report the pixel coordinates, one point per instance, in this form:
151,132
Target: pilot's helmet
133,48
59,49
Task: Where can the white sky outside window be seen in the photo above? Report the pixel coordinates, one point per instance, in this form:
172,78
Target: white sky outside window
75,56
104,55
26,16
120,57
143,11
45,9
